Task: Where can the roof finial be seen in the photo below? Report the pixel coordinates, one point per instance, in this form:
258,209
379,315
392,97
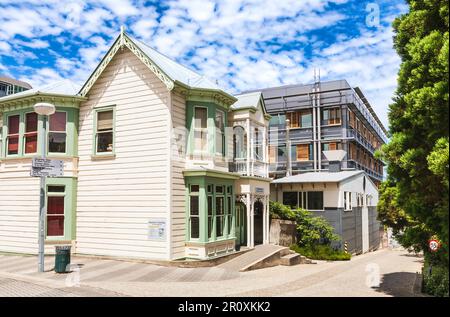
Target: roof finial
122,29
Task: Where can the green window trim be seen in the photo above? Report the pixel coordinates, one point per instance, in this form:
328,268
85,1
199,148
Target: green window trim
212,109
95,153
70,198
71,134
208,221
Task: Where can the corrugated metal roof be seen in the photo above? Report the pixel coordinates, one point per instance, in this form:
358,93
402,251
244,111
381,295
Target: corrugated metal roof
249,100
175,70
62,87
318,177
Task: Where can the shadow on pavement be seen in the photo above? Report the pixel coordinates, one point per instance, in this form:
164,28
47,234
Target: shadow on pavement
398,284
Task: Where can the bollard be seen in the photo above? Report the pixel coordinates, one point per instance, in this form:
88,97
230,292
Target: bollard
345,247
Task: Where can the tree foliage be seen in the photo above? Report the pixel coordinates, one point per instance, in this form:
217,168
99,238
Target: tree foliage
414,199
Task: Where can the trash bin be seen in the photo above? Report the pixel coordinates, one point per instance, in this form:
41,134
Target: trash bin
62,258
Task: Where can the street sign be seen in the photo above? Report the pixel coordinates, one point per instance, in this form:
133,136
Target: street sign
434,245
47,168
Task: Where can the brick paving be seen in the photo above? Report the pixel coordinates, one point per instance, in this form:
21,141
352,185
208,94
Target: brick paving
397,270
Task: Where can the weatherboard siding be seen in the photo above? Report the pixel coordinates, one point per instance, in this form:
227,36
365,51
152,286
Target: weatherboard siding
118,196
178,162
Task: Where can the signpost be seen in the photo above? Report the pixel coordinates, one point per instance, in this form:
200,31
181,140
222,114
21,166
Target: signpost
42,167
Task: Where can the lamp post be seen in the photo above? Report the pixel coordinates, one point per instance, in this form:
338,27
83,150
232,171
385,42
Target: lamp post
288,149
45,110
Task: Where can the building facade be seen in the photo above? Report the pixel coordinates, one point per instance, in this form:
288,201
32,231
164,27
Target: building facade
309,119
9,86
159,162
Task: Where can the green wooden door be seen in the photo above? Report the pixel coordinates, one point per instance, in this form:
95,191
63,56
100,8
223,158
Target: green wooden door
241,225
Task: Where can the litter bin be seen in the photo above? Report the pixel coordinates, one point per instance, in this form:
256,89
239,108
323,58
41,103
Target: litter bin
62,258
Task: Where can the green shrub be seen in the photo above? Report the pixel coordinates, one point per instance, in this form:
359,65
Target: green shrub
435,280
321,252
280,211
311,230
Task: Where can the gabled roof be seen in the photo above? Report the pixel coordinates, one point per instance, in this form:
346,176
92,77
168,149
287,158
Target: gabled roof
250,100
63,87
174,70
318,177
167,70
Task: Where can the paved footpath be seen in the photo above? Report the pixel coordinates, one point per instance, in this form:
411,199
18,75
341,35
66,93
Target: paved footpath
380,273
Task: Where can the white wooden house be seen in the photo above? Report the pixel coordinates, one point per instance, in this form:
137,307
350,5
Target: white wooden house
150,169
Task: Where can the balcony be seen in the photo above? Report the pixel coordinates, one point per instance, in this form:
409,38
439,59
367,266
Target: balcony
255,167
361,140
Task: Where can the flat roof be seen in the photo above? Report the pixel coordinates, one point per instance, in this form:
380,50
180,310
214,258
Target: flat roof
318,177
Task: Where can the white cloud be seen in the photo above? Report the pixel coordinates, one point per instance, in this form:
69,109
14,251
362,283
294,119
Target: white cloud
244,44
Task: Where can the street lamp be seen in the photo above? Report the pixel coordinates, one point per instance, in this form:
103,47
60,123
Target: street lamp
288,148
45,110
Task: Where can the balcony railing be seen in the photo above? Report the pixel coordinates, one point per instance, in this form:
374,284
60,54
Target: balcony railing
255,168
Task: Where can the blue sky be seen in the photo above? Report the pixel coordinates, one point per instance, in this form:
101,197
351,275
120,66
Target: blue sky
243,44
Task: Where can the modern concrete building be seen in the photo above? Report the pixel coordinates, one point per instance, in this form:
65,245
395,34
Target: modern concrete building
9,86
309,119
322,140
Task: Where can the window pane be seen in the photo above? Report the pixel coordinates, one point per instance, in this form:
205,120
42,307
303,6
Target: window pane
56,142
195,224
55,226
290,199
220,121
306,119
13,145
219,206
104,120
55,205
31,121
31,143
219,189
104,142
200,118
194,205
58,122
55,189
13,124
195,188
219,226
210,216
315,200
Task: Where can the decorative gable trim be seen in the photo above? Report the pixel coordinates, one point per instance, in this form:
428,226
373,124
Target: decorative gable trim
124,40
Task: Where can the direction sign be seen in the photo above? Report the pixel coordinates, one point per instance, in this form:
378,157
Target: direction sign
47,168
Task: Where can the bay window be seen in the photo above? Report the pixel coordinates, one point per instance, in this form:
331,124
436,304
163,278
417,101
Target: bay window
200,129
104,133
12,139
57,132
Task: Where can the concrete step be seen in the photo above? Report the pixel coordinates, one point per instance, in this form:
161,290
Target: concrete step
290,259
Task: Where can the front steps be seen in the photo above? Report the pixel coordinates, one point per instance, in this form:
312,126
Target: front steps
263,256
289,257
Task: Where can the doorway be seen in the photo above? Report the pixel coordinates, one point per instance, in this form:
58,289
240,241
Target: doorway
258,222
241,225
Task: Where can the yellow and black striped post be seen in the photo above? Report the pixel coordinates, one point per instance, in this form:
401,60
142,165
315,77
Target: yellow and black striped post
346,247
